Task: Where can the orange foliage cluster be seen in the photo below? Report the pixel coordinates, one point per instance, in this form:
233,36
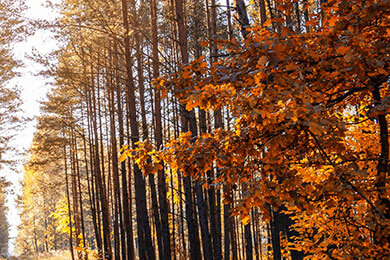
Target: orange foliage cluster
306,134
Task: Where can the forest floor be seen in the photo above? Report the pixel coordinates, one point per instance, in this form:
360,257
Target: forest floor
56,256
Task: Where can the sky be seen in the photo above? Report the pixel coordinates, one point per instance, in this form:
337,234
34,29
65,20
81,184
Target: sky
33,89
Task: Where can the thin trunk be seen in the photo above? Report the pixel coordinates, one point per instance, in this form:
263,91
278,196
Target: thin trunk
75,196
146,250
100,183
227,228
80,195
162,189
89,187
118,221
69,210
151,177
187,117
229,21
94,200
123,204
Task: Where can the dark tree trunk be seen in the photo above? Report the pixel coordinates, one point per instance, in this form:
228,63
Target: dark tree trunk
162,189
146,250
243,17
185,115
69,209
383,203
100,182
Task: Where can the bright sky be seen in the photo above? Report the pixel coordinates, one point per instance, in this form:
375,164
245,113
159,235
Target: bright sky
33,88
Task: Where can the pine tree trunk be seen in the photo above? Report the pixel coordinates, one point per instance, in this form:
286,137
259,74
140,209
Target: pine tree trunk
275,230
191,223
100,182
144,232
243,17
69,209
159,137
381,237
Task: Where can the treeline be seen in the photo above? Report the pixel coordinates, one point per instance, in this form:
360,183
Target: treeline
209,130
11,31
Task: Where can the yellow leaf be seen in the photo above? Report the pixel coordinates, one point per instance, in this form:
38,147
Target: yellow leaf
123,157
294,118
245,219
238,131
124,147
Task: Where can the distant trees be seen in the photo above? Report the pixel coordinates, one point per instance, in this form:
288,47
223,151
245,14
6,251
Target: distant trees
11,29
40,229
4,228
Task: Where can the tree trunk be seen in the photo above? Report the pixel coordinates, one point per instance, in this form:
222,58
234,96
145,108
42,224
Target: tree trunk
243,17
191,223
146,250
69,209
383,203
99,182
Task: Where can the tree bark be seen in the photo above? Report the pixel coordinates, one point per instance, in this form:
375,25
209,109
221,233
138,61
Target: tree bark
146,250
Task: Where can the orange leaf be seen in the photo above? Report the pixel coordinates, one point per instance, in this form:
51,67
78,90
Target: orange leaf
342,50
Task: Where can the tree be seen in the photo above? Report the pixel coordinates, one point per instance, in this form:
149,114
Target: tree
302,102
12,27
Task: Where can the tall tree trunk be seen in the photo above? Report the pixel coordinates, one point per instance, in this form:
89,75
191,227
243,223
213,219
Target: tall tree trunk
146,250
145,133
91,192
275,230
127,236
100,181
243,17
75,195
118,221
248,242
69,209
162,189
123,204
383,203
80,195
263,16
185,115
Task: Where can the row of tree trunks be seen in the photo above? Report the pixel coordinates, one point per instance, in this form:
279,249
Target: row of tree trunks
211,231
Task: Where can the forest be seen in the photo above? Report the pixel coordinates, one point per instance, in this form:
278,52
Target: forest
213,129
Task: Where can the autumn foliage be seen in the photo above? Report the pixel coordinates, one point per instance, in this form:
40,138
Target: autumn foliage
310,132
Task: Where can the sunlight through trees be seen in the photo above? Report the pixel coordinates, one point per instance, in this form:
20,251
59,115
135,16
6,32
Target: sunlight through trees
211,130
